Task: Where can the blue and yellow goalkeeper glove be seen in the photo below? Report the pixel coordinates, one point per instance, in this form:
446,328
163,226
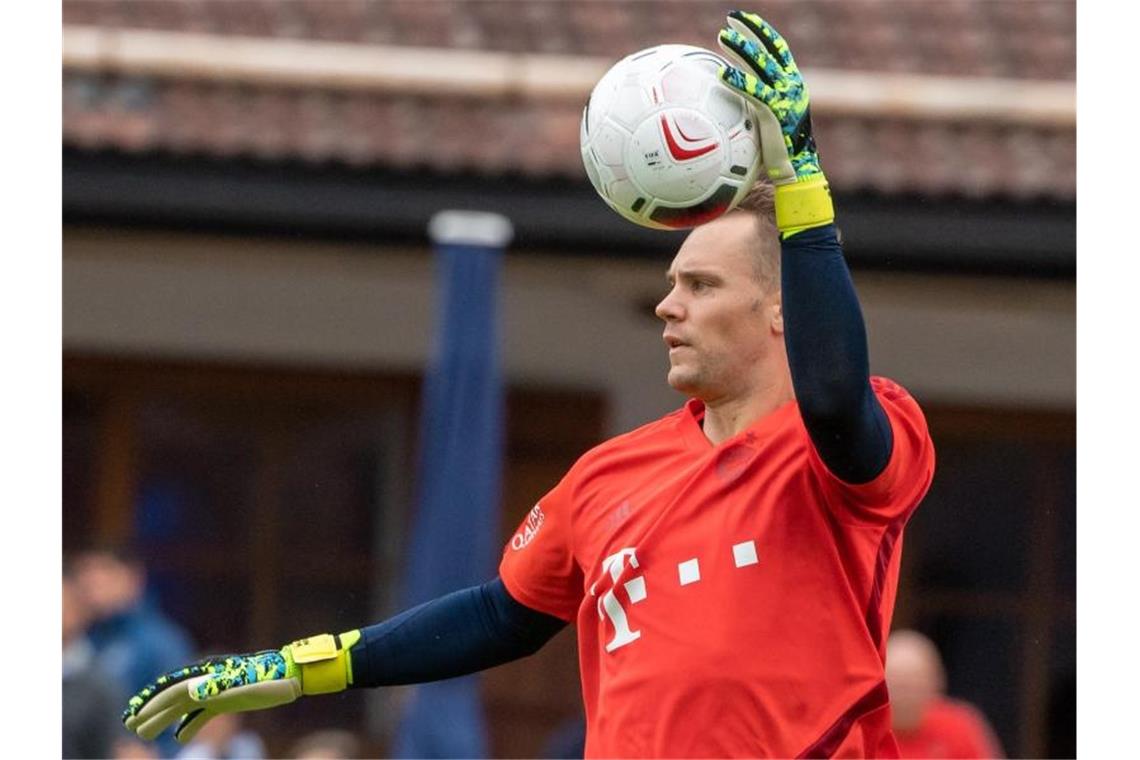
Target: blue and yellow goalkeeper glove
236,683
767,75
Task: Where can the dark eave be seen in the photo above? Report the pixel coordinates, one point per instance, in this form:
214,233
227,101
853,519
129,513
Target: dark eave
896,233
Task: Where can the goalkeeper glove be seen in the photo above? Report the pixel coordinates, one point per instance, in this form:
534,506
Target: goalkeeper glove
235,683
769,78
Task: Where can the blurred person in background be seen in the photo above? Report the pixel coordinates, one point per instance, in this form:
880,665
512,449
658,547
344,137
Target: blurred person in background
224,739
927,723
330,744
132,638
90,700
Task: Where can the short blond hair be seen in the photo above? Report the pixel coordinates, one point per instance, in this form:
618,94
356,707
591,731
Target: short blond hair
760,203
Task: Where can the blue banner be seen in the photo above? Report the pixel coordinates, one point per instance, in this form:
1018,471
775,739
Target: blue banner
454,532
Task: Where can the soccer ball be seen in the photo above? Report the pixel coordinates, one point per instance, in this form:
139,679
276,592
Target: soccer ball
667,144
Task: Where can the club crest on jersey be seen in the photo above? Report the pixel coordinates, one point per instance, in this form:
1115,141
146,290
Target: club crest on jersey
620,514
529,528
733,460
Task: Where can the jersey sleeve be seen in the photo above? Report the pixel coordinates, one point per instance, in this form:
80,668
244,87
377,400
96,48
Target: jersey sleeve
538,566
909,471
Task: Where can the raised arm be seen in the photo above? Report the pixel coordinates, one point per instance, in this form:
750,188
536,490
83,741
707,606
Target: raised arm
827,352
823,325
457,634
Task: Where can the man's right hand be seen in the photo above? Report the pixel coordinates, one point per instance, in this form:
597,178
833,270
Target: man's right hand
236,683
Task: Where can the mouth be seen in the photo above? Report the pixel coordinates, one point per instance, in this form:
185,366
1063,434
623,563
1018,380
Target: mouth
672,341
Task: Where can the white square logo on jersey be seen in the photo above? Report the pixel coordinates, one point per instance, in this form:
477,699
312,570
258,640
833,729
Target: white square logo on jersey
689,571
744,554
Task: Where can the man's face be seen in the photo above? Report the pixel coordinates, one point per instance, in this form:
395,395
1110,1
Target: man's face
720,323
107,585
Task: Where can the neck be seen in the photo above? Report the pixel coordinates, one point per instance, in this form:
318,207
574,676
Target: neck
730,414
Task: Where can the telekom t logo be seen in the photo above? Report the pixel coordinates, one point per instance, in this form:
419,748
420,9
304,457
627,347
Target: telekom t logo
608,604
744,557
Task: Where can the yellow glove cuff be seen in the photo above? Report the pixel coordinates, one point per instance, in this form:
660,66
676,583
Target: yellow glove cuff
803,205
324,662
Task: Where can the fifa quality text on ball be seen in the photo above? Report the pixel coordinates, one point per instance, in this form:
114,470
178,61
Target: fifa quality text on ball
667,144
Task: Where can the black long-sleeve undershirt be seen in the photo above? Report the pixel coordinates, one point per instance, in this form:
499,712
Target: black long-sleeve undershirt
827,352
459,633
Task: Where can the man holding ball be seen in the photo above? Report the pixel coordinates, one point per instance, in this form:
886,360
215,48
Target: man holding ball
732,566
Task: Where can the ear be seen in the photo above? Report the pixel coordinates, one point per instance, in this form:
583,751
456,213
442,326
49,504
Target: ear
777,316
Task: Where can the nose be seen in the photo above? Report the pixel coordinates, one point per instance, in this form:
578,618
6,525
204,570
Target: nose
669,309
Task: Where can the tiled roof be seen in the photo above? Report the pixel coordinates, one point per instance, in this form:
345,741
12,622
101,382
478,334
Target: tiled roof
1000,38
982,38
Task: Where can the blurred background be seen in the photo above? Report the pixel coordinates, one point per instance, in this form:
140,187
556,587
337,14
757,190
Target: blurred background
249,290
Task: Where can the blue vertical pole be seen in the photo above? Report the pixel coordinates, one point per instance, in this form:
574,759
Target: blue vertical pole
455,527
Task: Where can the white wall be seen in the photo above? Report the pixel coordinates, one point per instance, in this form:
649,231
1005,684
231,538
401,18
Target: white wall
567,321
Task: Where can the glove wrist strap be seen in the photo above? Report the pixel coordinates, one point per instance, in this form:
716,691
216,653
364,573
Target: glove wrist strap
802,205
324,663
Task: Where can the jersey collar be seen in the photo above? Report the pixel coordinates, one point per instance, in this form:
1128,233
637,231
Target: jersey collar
693,415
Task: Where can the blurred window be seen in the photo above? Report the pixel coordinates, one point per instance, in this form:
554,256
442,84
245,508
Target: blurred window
989,567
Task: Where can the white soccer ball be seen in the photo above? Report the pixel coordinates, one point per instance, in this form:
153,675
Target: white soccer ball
666,143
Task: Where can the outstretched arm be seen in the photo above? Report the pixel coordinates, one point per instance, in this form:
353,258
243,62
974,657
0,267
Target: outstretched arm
457,634
824,330
460,633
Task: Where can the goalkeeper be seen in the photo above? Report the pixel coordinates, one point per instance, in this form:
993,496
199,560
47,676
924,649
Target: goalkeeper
732,566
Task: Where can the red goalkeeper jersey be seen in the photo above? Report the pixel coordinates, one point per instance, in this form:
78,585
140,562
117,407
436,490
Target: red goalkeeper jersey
731,600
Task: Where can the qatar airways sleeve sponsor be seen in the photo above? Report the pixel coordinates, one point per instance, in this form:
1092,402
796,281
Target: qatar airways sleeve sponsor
529,529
